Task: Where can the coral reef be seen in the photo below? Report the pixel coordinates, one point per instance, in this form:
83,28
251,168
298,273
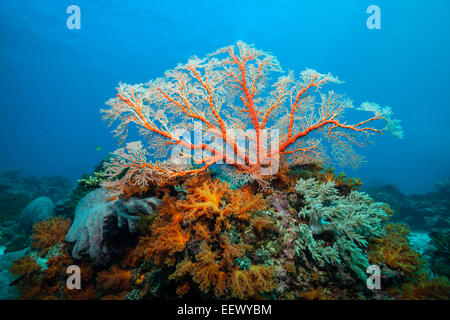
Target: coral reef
203,229
308,238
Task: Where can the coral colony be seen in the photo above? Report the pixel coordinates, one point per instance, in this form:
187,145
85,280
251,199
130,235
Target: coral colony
228,196
225,97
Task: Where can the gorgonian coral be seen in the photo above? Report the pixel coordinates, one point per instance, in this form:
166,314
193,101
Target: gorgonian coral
225,98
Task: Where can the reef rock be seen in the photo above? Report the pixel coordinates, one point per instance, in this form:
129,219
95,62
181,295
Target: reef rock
419,211
8,292
16,191
39,209
99,224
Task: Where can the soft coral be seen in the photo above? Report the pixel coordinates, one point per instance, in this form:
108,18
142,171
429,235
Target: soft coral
48,233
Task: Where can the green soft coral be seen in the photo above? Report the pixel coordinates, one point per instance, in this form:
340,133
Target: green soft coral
348,221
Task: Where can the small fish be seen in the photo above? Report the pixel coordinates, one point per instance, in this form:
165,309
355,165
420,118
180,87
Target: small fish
98,148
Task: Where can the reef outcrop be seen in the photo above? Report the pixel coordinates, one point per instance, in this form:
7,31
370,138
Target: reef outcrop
98,223
39,209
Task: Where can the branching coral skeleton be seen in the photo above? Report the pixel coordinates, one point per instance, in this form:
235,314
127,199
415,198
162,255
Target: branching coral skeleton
225,97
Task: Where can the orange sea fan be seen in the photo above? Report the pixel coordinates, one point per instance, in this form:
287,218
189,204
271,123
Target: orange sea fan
228,91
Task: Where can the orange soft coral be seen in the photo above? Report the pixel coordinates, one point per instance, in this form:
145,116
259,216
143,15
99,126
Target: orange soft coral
50,283
243,203
204,272
262,223
167,241
425,288
204,213
204,200
209,271
114,280
48,233
394,250
183,289
24,266
315,294
197,224
251,283
134,256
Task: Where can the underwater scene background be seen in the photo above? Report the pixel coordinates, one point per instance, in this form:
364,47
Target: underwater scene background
352,202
